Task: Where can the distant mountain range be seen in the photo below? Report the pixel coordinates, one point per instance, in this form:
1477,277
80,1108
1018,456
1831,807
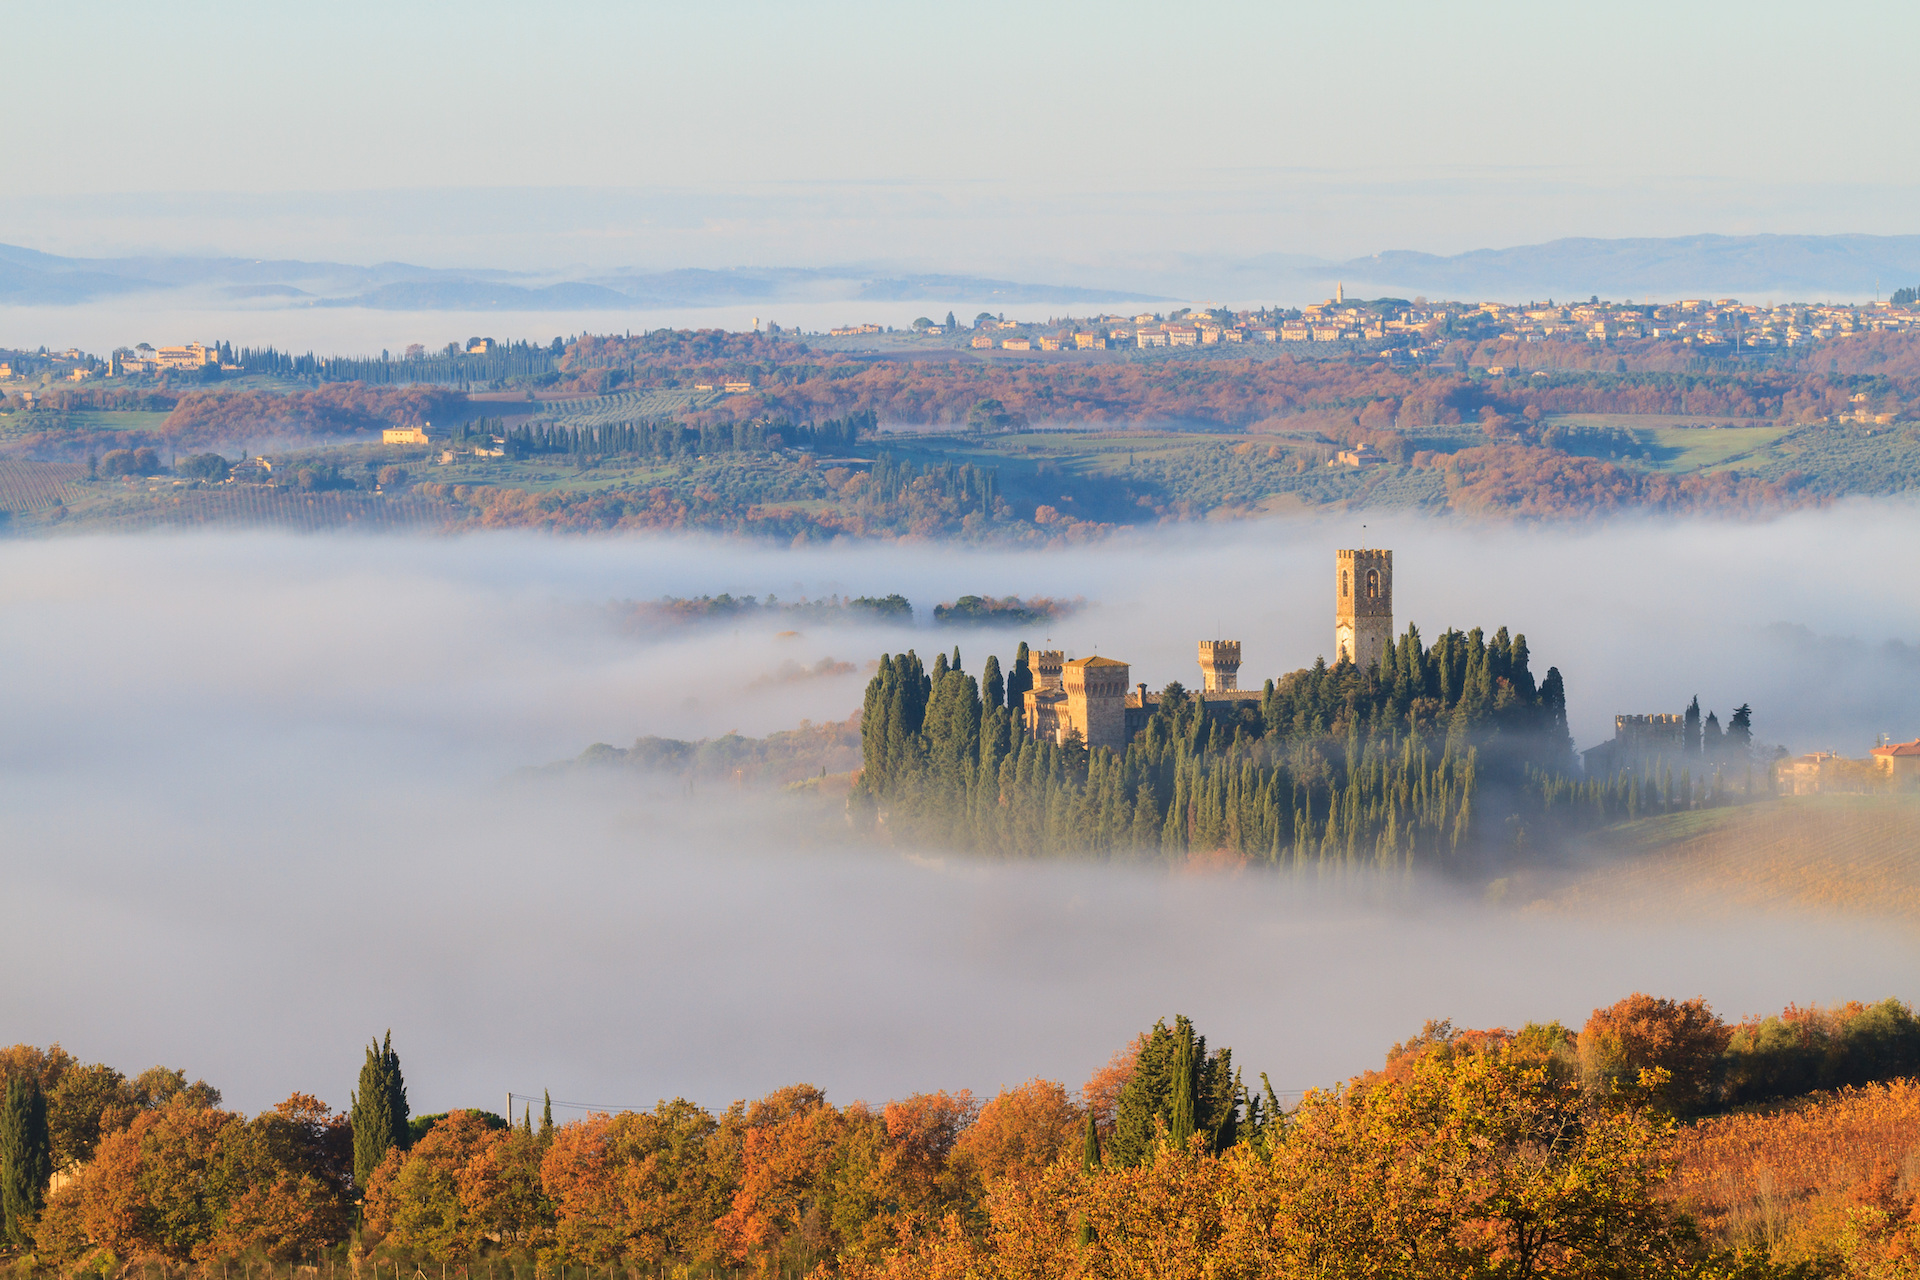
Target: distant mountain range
1804,268
29,277
1749,267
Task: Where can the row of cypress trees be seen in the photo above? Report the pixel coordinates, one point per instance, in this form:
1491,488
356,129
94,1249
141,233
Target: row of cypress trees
1392,765
666,438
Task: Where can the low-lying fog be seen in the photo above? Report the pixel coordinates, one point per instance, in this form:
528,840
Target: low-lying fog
258,808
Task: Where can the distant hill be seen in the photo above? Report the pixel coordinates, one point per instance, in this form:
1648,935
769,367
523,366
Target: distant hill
29,277
1752,268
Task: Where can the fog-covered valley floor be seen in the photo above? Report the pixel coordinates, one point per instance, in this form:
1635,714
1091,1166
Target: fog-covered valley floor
260,803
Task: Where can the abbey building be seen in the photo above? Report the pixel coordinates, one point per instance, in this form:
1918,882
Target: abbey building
1095,700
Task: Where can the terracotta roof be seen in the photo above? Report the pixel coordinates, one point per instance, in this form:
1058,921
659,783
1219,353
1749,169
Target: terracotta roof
1095,662
1899,749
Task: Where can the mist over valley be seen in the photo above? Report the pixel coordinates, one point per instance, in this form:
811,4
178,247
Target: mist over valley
293,768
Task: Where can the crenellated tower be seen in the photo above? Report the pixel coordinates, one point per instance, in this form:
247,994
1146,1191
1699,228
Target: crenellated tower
1219,665
1096,701
1363,615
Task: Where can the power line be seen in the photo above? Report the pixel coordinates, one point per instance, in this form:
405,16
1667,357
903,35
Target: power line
613,1109
576,1106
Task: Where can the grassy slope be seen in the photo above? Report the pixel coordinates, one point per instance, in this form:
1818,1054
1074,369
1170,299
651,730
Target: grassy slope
1858,854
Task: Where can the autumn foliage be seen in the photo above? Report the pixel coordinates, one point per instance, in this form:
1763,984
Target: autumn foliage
188,1181
211,418
1476,1153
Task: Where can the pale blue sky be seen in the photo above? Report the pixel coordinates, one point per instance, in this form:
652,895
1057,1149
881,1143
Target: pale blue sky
973,136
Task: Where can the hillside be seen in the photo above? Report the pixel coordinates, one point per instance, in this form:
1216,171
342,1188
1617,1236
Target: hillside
1854,854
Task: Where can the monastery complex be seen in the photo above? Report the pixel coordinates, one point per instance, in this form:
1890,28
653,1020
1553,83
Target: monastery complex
1095,699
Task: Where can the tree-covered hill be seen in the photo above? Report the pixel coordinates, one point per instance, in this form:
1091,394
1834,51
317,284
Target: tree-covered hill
1438,756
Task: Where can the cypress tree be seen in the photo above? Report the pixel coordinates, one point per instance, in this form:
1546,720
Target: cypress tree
992,683
1690,735
1740,732
1090,1164
1180,1095
546,1118
1175,1083
26,1158
1019,681
1143,1098
397,1096
379,1111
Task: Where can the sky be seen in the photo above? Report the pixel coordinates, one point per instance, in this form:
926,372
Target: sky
263,802
981,137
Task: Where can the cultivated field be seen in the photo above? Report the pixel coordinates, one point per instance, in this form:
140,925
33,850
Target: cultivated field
33,486
623,406
255,506
1857,854
1770,1177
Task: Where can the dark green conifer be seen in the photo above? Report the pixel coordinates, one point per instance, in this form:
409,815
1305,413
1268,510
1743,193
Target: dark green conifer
992,683
1690,733
1019,681
546,1117
1180,1097
1740,732
26,1159
1176,1087
379,1110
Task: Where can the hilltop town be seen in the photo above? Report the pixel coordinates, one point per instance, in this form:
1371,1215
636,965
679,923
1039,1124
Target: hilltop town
1400,328
1393,328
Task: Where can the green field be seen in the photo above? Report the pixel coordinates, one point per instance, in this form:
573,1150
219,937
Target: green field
1684,444
81,420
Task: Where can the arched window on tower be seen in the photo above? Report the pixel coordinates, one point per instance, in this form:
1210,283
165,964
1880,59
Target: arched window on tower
1373,584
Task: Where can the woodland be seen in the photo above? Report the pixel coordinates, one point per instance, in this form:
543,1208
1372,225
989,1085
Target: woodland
1656,1141
1441,757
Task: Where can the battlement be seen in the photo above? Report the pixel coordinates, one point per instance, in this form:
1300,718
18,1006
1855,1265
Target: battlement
1219,664
1366,582
1047,666
1642,732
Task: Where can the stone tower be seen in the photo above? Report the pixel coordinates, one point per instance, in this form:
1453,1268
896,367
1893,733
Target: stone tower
1219,665
1096,690
1363,616
1047,665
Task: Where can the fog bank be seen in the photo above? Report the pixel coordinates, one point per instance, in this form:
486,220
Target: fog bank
260,806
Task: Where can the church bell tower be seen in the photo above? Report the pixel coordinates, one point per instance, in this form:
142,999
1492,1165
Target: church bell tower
1363,606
